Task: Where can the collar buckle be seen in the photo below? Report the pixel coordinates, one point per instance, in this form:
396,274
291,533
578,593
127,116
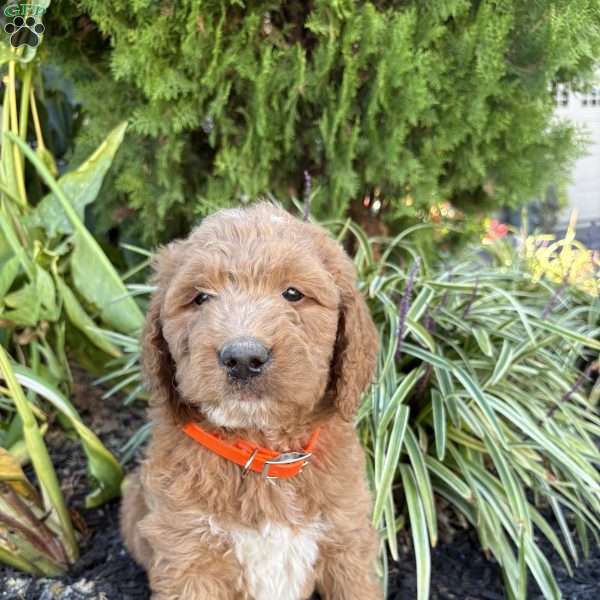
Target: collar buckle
286,458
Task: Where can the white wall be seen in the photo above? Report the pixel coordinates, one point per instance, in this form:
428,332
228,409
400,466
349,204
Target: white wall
584,190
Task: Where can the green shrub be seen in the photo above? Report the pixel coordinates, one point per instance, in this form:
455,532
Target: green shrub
412,103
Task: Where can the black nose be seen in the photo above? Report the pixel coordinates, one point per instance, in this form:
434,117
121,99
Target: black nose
244,357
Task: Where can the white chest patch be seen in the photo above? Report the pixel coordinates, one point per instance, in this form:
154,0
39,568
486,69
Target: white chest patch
276,559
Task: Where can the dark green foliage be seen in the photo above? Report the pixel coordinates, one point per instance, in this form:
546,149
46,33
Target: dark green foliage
444,100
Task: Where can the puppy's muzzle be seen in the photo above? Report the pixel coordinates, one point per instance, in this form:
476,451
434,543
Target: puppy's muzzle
244,358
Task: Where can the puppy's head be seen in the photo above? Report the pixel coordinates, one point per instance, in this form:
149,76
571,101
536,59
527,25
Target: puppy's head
257,323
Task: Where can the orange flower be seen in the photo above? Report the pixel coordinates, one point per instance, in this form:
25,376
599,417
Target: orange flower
496,230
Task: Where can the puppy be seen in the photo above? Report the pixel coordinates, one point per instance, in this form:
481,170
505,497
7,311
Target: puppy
257,348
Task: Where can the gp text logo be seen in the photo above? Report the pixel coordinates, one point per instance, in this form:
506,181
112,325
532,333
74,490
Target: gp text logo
24,10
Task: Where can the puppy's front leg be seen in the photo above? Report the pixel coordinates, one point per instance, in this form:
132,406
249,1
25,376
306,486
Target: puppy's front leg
346,569
189,562
198,580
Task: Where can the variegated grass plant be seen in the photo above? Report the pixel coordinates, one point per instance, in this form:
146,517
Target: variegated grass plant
481,407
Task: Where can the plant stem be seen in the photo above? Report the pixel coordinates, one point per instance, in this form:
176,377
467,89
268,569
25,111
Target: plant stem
18,249
25,95
36,122
14,126
7,153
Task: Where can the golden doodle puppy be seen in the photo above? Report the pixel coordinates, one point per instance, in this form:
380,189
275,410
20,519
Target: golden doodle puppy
257,348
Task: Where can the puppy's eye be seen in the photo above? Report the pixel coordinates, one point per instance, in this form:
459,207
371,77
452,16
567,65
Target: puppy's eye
201,298
292,295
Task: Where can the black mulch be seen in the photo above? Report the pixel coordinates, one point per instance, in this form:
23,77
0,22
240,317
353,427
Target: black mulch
460,571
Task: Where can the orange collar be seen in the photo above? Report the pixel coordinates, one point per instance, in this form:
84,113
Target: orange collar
271,464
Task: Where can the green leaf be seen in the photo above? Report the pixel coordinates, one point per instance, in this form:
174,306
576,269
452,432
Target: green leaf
420,304
25,304
502,365
80,187
483,340
418,528
47,294
547,530
390,526
423,483
83,321
542,572
522,578
439,423
569,334
421,334
477,394
514,491
93,274
453,481
105,472
402,391
117,308
40,458
8,274
394,446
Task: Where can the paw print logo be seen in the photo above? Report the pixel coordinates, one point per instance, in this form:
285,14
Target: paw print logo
24,31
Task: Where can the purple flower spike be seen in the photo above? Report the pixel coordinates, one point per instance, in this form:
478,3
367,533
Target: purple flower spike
405,305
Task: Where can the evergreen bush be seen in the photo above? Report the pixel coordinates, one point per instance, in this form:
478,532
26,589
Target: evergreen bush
410,102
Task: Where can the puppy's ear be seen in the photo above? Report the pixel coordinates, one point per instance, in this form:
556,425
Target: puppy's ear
158,364
357,341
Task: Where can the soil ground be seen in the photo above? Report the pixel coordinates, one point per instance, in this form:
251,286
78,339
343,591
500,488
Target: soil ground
105,571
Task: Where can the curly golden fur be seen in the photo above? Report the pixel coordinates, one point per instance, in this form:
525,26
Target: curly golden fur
201,530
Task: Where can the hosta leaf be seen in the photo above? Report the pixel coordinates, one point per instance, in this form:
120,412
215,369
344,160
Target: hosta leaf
8,273
93,274
103,289
23,306
80,186
42,464
105,472
47,294
83,321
